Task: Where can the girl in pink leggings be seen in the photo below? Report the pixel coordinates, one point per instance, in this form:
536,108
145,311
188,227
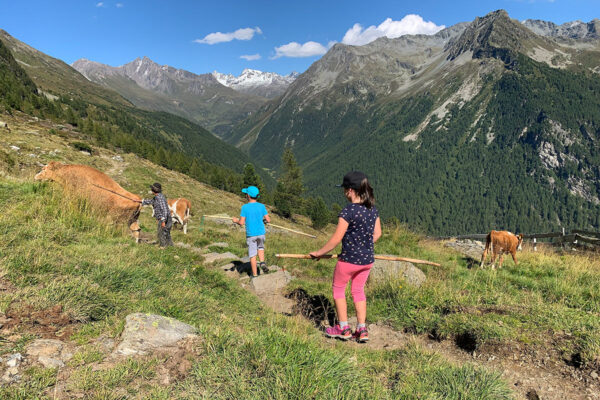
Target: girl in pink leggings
358,229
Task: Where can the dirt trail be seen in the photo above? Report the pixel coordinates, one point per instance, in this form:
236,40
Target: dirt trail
531,373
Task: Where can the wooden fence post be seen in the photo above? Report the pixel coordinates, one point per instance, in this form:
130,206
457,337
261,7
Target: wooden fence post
563,242
534,244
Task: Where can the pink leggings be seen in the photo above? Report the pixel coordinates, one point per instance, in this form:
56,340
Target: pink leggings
343,273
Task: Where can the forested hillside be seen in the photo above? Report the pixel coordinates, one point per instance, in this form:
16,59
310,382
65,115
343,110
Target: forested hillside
479,127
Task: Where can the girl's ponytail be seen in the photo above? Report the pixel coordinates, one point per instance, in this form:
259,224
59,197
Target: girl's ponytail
365,192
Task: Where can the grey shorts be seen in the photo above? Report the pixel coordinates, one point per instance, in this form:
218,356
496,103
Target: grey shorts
255,243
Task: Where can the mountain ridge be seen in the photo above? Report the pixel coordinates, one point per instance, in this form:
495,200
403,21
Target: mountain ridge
569,30
407,109
199,98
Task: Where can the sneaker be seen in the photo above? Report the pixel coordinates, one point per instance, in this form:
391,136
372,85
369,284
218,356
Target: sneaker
361,334
336,332
264,268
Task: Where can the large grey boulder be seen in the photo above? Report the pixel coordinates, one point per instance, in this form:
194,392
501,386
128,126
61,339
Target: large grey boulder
384,271
147,333
471,248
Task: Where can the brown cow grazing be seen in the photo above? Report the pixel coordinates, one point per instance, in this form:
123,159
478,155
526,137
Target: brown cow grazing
180,211
99,189
501,242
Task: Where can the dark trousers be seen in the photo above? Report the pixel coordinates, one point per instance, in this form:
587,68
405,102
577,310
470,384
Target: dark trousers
164,234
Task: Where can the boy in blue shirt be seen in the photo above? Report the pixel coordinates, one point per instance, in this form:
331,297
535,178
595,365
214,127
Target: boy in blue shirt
252,215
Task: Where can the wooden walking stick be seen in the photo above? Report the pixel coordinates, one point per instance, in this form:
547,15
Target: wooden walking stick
387,258
294,231
273,225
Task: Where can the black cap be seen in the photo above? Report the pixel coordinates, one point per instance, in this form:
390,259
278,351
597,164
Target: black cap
352,180
156,187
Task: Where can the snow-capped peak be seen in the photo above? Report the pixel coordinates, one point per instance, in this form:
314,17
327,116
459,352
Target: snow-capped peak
268,84
224,79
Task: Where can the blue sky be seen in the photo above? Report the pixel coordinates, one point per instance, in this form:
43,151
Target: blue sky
279,36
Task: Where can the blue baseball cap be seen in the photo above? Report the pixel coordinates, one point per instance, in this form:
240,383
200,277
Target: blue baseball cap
251,191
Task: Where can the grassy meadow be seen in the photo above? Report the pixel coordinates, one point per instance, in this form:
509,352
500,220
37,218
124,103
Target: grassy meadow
54,250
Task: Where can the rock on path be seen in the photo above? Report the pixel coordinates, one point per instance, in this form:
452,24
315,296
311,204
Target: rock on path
271,282
218,244
270,289
213,257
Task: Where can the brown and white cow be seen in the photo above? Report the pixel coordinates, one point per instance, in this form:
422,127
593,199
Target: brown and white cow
82,180
500,243
180,211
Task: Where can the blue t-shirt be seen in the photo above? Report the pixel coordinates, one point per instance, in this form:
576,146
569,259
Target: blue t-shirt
357,244
254,214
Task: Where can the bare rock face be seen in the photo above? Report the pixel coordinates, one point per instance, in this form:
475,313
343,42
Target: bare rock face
148,333
383,271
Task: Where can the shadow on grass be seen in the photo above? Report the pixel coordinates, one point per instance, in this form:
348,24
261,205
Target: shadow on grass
316,308
471,262
243,267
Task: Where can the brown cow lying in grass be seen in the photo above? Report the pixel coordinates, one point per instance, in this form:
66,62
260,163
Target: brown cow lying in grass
81,180
180,211
501,242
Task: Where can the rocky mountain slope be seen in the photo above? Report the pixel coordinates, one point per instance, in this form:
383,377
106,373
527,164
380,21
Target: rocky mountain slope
569,30
199,98
483,125
265,84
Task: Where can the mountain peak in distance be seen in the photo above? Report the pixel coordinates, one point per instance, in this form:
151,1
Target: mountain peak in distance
252,81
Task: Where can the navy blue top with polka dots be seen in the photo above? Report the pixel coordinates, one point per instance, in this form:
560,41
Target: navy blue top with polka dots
357,244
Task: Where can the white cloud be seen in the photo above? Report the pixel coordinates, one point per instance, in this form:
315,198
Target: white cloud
119,5
251,57
220,37
101,4
295,49
411,24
